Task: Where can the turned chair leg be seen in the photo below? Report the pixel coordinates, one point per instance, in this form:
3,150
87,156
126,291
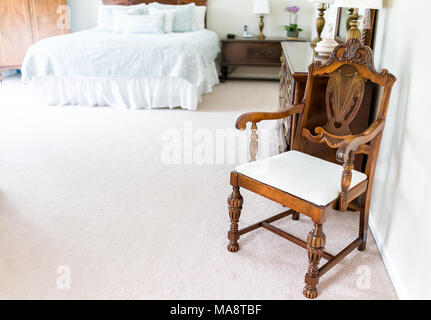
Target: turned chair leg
295,216
235,202
315,246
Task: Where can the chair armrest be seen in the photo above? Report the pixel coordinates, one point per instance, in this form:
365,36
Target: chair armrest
354,142
255,117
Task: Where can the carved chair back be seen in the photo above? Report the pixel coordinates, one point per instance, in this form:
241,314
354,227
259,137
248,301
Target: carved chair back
345,75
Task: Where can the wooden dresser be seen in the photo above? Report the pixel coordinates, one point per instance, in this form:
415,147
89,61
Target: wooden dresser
24,22
296,57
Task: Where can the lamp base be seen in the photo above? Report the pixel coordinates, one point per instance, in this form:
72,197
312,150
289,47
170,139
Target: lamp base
261,36
354,32
320,24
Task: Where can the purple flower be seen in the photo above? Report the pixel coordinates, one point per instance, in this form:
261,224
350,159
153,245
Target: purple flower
293,9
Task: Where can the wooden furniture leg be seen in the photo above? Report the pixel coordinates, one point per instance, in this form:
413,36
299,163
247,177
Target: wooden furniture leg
224,74
295,216
235,202
363,222
315,246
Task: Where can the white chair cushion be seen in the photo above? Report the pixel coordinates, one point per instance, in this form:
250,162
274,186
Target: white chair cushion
301,175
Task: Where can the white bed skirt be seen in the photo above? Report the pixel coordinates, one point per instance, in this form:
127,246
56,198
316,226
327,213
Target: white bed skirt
133,93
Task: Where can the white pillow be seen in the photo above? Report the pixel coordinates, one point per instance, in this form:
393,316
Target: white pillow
184,20
138,9
169,17
199,18
105,21
120,15
108,21
119,20
148,23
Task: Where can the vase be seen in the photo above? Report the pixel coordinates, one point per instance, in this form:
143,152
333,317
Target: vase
293,34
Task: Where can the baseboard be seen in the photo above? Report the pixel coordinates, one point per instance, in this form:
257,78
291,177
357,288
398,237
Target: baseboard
395,278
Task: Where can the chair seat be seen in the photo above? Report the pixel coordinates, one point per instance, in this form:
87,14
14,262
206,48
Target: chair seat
301,175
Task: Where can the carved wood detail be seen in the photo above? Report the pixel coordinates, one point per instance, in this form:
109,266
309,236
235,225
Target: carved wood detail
322,136
343,99
342,107
235,202
262,52
346,180
254,144
331,140
315,246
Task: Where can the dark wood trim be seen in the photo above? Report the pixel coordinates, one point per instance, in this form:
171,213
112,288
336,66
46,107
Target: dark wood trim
269,220
367,34
18,67
292,238
332,262
256,117
169,2
251,52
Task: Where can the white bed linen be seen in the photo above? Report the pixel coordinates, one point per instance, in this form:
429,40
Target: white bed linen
133,93
95,60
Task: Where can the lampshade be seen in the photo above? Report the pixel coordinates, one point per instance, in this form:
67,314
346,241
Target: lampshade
322,1
360,4
261,7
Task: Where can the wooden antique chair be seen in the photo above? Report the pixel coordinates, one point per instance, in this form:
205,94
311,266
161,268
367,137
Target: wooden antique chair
308,184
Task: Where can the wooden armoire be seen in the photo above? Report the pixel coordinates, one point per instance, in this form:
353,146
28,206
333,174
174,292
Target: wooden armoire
24,22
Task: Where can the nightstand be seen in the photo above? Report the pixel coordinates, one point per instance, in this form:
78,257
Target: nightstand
251,52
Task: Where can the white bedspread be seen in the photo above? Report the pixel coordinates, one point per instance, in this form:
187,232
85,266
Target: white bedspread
98,54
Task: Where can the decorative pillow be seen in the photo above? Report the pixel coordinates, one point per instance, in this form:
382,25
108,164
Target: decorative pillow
110,20
105,21
199,13
120,15
184,19
148,23
199,18
119,20
185,15
162,6
169,17
138,9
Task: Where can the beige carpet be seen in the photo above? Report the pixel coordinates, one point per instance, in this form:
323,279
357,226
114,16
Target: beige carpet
84,190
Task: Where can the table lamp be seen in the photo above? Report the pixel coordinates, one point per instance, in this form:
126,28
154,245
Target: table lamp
261,8
320,22
354,31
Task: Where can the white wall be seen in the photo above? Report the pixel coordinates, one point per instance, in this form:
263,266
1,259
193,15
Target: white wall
401,205
224,16
230,16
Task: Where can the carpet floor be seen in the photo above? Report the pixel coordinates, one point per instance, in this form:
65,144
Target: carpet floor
89,210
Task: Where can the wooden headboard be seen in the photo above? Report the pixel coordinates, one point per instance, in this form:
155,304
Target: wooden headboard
177,2
172,2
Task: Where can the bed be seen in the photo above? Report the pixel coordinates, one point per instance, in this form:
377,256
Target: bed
137,71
